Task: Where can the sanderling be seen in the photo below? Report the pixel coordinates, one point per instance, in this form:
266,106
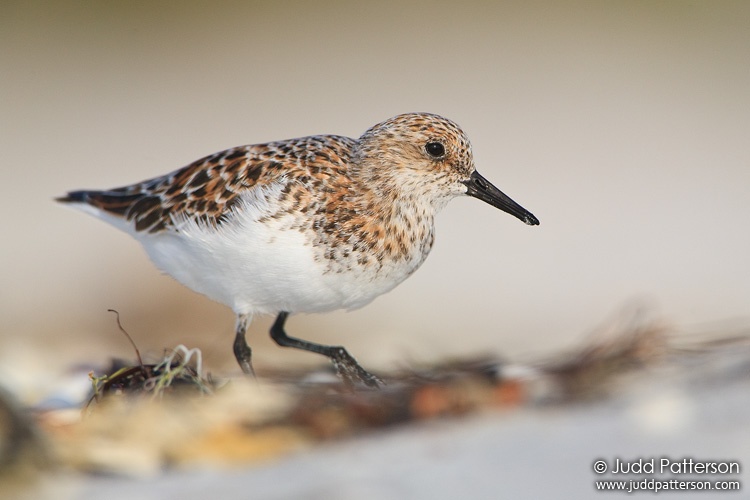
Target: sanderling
305,225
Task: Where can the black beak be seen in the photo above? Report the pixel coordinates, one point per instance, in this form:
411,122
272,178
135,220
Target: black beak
479,187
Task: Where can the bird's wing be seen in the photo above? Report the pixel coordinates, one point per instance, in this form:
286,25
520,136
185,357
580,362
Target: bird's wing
206,190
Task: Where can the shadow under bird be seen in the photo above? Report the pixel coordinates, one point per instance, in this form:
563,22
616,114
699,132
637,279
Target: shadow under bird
304,225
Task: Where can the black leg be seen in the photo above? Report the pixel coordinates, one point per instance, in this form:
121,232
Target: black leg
242,351
346,366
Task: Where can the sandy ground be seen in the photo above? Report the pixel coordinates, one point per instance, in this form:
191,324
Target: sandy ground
529,454
643,400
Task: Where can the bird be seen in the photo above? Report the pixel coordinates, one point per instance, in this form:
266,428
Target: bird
305,225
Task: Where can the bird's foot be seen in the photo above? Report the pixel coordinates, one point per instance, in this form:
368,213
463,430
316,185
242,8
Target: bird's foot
351,372
243,353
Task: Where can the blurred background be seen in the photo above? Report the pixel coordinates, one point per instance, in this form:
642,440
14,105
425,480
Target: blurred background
622,125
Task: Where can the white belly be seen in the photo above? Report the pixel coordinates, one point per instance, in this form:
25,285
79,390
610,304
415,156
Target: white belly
260,268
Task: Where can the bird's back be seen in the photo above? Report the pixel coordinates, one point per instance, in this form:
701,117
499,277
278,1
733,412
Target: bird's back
207,189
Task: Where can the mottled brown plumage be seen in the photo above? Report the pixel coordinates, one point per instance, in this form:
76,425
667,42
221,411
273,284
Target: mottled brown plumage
303,225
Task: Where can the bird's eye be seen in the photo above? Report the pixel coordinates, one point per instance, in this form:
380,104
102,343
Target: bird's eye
435,149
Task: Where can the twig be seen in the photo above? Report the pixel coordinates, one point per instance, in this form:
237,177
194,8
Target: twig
135,348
